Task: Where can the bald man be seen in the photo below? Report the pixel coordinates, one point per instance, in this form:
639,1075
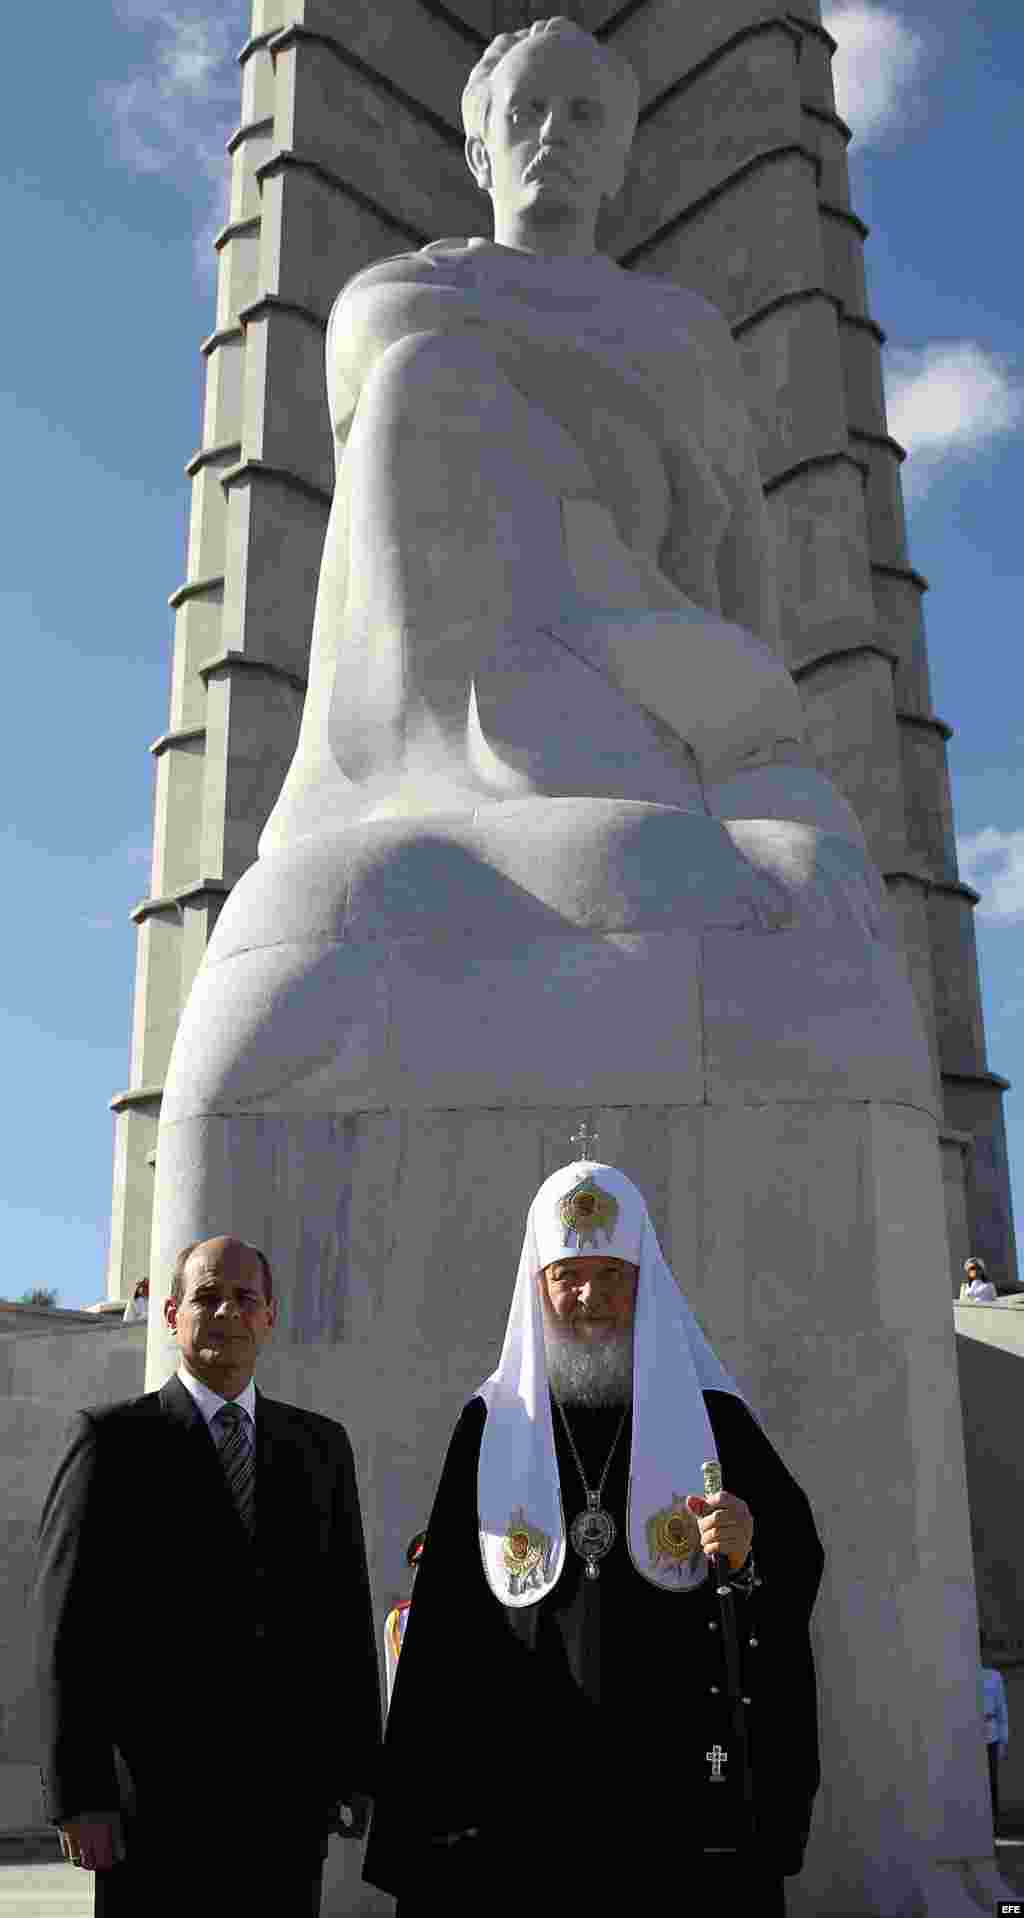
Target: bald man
203,1770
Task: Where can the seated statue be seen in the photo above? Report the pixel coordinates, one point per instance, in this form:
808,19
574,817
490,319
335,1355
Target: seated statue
549,748
548,569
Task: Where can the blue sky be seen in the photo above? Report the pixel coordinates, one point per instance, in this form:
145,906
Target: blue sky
111,196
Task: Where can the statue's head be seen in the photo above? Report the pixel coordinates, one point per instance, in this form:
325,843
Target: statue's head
549,115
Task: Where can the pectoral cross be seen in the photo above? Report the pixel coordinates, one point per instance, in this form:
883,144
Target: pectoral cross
585,1140
716,1758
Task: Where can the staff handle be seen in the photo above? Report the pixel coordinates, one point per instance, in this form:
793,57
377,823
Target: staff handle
711,1472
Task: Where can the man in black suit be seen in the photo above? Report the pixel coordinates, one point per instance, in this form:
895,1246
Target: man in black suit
226,1526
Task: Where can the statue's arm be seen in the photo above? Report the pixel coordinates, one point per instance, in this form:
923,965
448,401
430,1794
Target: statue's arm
743,565
771,777
381,306
350,344
746,564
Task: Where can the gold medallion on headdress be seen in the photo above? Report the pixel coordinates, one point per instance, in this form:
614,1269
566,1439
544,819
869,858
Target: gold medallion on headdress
587,1210
673,1535
524,1549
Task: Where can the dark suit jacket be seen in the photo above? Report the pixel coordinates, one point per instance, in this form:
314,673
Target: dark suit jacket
264,1650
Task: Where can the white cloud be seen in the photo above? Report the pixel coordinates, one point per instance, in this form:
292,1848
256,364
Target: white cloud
877,63
191,54
992,861
174,112
948,400
950,395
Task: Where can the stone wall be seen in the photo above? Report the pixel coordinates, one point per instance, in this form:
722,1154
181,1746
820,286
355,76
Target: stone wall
51,1363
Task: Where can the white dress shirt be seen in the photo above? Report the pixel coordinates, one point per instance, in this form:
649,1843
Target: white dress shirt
209,1403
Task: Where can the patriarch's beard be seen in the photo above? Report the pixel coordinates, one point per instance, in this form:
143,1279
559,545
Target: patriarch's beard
585,1372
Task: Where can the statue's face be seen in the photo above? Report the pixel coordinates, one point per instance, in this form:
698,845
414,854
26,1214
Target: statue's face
555,144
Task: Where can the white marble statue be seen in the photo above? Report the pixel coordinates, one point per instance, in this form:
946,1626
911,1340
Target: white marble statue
545,700
548,568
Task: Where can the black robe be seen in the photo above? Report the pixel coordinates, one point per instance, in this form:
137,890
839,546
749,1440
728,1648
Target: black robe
594,1711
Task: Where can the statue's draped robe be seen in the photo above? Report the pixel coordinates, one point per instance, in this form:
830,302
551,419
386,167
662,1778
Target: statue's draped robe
576,1729
548,568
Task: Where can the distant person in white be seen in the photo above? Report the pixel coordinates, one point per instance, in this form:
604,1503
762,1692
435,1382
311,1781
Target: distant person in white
977,1285
136,1311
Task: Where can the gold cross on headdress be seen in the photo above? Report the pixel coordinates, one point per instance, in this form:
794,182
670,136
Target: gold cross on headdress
585,1140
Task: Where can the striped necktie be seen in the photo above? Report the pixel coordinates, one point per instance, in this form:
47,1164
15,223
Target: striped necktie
234,1434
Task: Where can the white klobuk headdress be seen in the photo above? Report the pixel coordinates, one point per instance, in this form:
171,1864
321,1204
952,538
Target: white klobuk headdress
582,1209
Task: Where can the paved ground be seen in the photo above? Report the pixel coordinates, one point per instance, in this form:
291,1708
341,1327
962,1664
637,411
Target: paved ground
54,1890
44,1891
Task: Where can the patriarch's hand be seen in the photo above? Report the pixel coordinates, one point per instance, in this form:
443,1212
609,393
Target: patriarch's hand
726,1527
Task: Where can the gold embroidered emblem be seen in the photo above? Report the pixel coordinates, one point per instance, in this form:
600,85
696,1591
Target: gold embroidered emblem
523,1549
588,1210
673,1536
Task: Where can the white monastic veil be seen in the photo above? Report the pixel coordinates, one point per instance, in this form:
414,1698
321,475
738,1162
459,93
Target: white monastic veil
673,1364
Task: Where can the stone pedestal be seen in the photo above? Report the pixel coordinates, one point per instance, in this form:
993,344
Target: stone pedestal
392,1035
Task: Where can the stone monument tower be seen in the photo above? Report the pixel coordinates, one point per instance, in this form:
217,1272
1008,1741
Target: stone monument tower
582,840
